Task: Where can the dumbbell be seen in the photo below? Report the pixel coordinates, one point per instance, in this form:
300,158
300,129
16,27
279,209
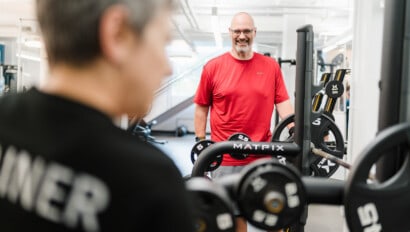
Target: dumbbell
201,145
239,137
198,148
270,195
213,211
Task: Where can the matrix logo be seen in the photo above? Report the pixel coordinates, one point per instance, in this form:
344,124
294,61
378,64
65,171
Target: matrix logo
257,147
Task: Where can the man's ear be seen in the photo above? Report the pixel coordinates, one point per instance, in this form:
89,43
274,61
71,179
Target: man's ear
115,34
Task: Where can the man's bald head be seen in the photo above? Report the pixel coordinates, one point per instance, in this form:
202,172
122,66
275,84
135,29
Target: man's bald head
242,18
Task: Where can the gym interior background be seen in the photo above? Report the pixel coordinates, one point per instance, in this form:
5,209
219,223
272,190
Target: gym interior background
347,35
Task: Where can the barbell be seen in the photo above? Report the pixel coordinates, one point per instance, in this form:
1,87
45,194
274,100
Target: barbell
269,194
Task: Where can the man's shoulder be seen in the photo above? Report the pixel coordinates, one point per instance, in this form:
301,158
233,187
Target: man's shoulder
266,59
218,60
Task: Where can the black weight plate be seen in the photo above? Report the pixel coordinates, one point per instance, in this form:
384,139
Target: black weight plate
279,134
265,178
239,137
212,210
327,137
322,129
334,89
198,148
380,206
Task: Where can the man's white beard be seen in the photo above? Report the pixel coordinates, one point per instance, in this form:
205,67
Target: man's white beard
242,49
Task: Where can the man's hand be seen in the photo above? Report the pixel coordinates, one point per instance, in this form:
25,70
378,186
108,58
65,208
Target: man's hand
291,134
199,138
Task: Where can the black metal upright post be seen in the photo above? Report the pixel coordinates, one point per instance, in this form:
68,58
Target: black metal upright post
394,84
303,98
405,84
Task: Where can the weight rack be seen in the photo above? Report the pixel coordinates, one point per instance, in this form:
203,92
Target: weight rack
355,193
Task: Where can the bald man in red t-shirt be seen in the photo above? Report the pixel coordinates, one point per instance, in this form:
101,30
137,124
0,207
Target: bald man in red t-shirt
240,88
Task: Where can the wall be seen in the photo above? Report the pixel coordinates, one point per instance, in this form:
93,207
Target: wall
366,67
290,24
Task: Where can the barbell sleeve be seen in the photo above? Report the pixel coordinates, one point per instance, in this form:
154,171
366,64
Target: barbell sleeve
324,190
330,157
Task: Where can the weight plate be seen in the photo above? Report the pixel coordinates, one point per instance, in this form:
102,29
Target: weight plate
380,206
239,137
198,148
271,195
334,89
212,210
281,132
325,135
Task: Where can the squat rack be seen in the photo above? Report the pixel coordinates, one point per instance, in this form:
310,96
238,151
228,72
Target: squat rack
394,103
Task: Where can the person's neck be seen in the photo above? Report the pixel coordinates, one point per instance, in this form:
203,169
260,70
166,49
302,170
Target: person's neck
242,55
94,86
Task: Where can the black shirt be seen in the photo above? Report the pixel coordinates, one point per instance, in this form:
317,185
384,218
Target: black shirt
67,167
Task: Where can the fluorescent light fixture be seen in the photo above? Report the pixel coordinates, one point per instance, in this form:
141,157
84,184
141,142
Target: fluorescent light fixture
33,44
29,57
216,28
217,31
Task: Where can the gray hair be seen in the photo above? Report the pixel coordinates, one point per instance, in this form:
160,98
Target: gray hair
70,28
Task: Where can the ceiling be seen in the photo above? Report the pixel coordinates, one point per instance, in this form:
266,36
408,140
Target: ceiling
11,11
204,23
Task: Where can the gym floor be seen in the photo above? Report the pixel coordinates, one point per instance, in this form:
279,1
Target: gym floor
321,218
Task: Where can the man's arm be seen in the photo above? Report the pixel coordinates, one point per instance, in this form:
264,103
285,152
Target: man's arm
285,109
200,117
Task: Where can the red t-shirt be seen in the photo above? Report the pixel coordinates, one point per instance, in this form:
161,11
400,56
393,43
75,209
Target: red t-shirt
241,95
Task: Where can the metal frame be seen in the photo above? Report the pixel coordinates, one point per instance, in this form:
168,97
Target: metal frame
303,95
394,84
